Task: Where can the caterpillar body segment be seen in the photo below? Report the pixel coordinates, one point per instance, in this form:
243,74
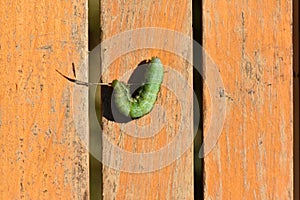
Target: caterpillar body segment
143,102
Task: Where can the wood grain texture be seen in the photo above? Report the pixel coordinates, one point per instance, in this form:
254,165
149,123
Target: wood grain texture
174,181
43,155
296,99
251,42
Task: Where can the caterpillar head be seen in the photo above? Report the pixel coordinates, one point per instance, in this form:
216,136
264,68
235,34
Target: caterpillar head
114,83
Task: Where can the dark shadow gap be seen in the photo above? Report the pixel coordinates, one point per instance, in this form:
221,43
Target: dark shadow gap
95,166
198,89
296,88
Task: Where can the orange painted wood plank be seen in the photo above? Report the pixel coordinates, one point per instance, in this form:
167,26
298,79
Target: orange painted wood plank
168,175
43,143
251,43
296,99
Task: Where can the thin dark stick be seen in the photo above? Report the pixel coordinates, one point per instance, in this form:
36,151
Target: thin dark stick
73,67
78,82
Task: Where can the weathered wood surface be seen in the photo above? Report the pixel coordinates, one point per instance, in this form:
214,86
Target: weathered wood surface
296,99
43,145
251,42
174,181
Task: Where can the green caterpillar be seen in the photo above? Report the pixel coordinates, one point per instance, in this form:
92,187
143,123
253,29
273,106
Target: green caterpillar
142,103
